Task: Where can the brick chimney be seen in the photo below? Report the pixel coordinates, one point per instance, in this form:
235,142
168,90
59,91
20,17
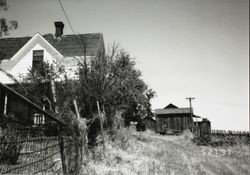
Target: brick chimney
59,29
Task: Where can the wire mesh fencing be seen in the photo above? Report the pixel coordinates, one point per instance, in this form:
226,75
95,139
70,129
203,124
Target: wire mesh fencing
24,153
32,152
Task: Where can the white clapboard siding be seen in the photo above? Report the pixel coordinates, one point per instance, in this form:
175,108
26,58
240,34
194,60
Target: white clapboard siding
23,66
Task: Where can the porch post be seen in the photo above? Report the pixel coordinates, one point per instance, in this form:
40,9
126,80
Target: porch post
5,103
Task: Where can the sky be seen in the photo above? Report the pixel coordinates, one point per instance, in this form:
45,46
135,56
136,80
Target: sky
184,48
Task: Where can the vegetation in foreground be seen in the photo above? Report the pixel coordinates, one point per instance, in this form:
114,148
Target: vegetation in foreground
133,153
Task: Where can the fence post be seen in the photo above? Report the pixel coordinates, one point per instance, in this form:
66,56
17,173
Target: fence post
61,143
101,125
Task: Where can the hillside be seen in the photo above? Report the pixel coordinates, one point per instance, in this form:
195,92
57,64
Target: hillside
147,153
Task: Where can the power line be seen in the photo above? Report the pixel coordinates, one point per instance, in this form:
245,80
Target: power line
65,14
81,43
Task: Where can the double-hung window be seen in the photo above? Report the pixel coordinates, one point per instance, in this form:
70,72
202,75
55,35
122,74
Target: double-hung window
38,56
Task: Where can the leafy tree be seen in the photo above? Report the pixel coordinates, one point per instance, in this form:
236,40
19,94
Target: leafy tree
6,25
114,81
130,92
39,87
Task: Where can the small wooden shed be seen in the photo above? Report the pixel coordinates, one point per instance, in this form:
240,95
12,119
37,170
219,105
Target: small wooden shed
172,119
203,127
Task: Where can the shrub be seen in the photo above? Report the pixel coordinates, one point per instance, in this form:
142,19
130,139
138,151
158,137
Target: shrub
202,140
9,153
75,142
10,146
122,137
187,135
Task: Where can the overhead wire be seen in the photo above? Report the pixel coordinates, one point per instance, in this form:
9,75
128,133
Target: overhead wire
82,44
65,14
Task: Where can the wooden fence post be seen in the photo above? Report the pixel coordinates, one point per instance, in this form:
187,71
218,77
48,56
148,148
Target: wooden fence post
53,89
61,143
101,125
76,109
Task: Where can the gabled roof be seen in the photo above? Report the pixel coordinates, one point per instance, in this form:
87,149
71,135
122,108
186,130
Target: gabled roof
36,39
76,45
173,111
170,105
67,45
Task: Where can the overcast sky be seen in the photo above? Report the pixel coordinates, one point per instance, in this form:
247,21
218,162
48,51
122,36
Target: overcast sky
197,48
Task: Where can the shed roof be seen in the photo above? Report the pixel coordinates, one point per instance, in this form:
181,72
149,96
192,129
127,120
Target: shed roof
173,111
170,105
196,116
68,45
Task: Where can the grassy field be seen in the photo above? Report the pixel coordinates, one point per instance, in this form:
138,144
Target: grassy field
147,153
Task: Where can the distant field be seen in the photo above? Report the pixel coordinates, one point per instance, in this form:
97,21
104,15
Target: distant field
147,153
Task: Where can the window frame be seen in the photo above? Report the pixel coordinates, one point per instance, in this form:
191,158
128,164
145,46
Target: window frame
37,59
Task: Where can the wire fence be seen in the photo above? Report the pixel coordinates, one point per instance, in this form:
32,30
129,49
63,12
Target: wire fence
23,153
32,152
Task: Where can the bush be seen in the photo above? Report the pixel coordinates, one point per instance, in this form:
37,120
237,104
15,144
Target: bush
122,137
202,140
141,126
228,140
187,135
75,142
10,146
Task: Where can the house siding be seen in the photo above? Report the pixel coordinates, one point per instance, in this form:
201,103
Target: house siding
19,53
23,66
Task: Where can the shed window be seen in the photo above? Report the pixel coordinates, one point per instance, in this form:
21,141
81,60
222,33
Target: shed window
166,125
37,59
177,124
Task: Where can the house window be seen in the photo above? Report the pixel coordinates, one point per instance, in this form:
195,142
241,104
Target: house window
37,59
39,119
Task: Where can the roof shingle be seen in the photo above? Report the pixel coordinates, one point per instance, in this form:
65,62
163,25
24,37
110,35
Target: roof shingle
9,46
68,45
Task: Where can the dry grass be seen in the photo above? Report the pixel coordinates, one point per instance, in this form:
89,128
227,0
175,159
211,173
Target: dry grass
147,153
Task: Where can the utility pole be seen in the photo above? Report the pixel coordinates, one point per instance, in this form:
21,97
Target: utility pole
190,104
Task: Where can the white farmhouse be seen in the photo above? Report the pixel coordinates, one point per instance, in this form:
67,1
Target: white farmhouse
19,55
